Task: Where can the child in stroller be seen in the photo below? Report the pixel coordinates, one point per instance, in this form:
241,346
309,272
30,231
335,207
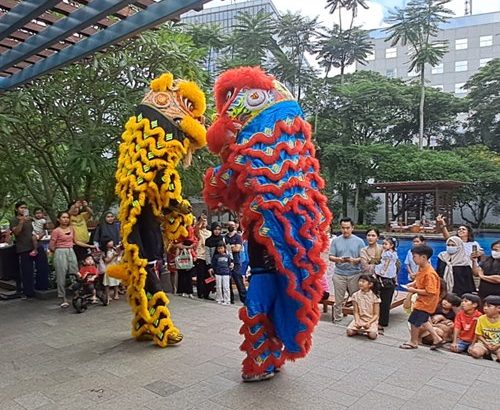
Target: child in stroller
88,286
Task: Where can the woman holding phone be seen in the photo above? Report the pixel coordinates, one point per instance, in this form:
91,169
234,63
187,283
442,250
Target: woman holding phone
466,234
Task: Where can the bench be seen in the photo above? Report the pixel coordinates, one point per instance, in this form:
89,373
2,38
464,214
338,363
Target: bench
398,300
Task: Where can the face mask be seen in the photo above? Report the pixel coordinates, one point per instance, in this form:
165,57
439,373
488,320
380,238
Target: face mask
452,249
495,254
230,228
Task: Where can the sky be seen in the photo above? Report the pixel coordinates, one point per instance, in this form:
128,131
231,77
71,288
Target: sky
368,19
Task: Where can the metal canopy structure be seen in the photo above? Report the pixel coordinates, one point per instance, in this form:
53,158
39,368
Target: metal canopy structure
406,202
39,36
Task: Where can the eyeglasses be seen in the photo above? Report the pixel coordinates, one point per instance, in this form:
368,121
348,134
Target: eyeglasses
461,229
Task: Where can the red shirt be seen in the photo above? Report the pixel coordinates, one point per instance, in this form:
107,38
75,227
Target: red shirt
89,273
466,325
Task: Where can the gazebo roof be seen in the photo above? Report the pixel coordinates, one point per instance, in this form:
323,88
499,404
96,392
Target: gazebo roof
38,36
419,186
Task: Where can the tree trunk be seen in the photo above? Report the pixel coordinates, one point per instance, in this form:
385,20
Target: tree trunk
421,110
345,197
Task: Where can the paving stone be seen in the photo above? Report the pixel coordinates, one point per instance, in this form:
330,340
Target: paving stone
394,391
33,400
67,361
375,400
162,388
481,395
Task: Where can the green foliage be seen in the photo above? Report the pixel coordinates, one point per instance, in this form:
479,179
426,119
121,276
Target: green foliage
484,103
60,138
415,26
340,48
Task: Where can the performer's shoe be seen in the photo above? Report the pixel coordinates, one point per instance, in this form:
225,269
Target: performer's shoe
174,339
257,377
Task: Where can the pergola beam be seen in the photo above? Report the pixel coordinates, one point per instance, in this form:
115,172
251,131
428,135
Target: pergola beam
154,15
61,29
22,14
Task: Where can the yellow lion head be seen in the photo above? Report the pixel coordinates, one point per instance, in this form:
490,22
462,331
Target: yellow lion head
183,104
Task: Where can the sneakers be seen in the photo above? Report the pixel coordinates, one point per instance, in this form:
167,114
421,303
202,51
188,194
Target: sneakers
257,377
190,296
226,303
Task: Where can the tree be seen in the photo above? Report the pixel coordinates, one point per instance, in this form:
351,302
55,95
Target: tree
210,37
60,138
484,104
415,26
295,37
341,48
251,39
481,196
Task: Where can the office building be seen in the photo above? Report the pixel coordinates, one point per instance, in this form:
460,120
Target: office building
225,15
472,42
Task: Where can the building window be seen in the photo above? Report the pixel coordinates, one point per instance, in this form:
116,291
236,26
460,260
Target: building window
485,41
484,61
459,88
437,69
370,56
461,65
461,44
438,87
391,72
391,52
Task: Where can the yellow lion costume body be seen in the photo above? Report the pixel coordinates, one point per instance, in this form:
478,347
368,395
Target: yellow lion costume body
167,127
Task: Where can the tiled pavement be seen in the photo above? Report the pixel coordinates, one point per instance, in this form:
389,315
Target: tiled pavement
56,359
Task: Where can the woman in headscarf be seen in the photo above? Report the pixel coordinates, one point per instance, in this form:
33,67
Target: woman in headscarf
455,267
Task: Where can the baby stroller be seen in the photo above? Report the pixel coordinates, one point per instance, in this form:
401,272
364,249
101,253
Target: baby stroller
83,293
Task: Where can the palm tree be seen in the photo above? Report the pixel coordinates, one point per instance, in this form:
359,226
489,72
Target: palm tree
210,37
340,49
295,38
351,5
252,37
415,26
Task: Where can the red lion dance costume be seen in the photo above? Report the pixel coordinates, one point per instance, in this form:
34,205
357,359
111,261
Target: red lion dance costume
269,174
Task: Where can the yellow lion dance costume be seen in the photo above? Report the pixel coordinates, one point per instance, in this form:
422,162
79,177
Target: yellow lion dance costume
167,127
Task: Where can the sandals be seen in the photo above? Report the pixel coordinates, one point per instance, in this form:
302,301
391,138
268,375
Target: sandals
408,346
437,345
64,305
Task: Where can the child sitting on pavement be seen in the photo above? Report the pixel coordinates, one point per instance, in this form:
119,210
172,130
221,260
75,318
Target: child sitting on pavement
443,319
465,323
366,307
427,287
487,340
88,274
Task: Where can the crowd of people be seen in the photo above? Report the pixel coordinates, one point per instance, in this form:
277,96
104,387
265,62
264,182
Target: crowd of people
458,302
445,305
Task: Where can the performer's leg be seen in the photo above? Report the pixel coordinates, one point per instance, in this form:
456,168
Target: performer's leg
161,326
261,345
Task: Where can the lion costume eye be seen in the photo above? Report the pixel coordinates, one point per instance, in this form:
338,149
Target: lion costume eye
229,94
255,99
188,104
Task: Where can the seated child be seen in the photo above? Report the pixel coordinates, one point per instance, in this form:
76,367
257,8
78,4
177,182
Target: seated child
88,274
427,287
465,323
366,306
442,320
487,340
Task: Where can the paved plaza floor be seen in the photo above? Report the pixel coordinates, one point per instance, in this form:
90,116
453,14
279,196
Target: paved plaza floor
56,359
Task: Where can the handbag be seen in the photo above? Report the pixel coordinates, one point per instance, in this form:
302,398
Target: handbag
184,260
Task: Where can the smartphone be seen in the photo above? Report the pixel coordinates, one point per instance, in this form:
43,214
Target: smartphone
474,248
26,212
